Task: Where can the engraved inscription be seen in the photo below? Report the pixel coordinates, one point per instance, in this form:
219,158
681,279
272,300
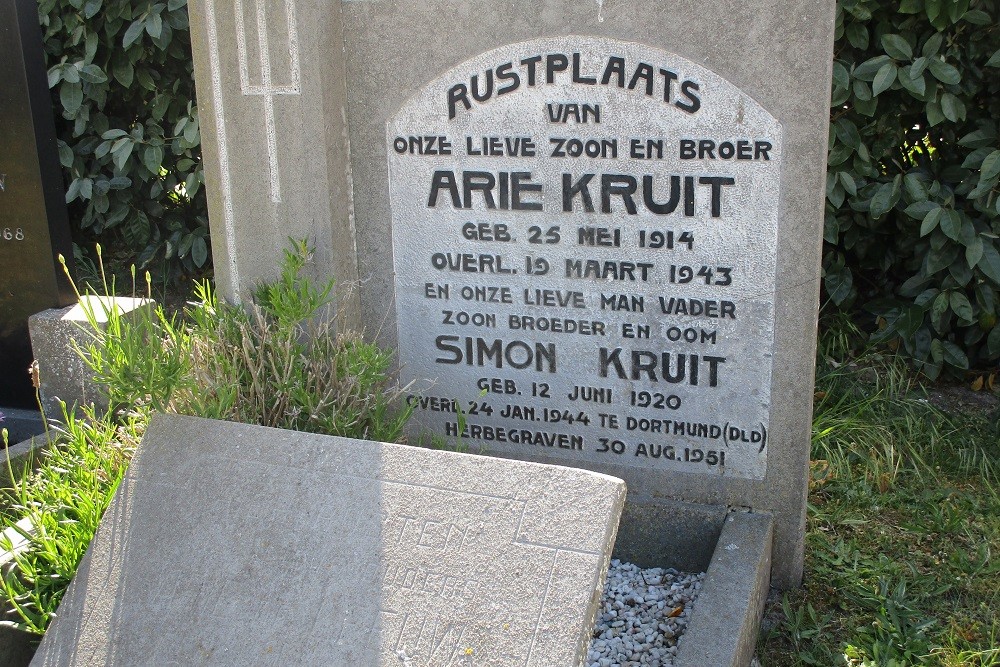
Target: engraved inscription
584,236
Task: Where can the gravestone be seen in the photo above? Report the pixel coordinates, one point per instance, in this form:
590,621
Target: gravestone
336,552
33,224
591,229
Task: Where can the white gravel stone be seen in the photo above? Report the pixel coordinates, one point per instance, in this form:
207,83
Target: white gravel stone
642,616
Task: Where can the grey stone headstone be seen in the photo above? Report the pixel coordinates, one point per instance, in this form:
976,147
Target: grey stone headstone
230,544
669,343
33,223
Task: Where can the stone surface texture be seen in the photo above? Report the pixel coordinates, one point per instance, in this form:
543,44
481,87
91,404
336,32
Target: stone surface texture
230,544
55,336
296,98
723,627
657,532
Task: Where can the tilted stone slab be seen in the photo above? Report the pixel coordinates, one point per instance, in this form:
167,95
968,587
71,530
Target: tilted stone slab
230,544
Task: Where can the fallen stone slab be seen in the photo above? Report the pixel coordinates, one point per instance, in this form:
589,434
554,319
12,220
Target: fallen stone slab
230,544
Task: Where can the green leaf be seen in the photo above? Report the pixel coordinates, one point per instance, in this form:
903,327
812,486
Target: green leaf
192,183
911,6
133,33
859,11
941,258
154,25
70,73
935,116
960,273
994,60
953,356
120,182
944,72
93,74
848,182
175,4
940,306
931,221
915,190
838,282
839,154
73,191
847,132
960,304
862,90
968,234
933,43
65,154
974,160
831,228
869,68
990,166
974,252
951,224
124,72
122,153
199,251
152,157
897,47
979,138
989,263
841,77
865,108
837,194
993,341
918,210
952,107
71,97
191,133
91,8
916,86
185,245
857,35
145,79
977,17
909,321
957,9
90,47
882,200
885,77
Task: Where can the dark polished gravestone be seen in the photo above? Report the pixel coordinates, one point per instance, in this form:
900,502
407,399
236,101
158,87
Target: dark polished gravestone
33,223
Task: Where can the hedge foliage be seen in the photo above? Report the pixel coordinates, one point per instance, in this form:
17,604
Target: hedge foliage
913,213
122,79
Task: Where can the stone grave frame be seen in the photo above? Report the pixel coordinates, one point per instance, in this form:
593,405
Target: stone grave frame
295,108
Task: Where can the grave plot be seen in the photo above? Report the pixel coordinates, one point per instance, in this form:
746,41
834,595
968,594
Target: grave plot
591,232
234,545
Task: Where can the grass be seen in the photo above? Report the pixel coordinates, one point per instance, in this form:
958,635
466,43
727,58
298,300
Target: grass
903,535
64,501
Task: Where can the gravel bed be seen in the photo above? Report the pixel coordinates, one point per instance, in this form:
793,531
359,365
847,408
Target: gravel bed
642,615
